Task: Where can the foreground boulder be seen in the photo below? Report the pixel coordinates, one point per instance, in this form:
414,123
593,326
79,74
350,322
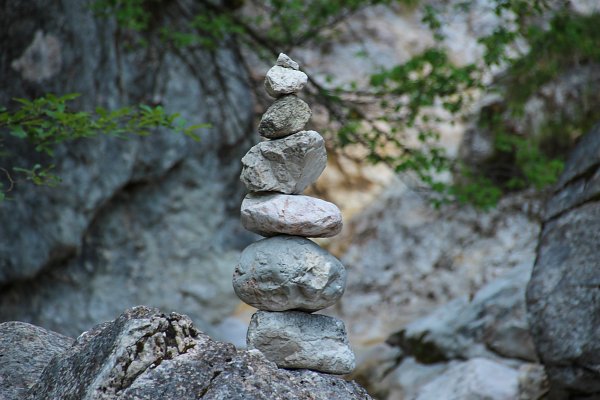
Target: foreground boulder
145,354
563,297
25,350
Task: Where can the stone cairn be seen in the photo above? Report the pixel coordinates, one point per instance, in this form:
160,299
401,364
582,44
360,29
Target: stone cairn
286,276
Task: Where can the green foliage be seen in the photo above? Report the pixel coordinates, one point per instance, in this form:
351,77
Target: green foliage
404,100
130,14
571,40
48,121
408,92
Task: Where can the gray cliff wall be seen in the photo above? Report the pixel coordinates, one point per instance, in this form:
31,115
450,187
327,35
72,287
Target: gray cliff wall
563,296
150,220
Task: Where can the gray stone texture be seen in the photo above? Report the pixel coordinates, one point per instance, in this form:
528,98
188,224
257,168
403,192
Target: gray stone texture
492,324
475,379
25,350
149,220
285,61
288,273
295,215
407,258
287,115
146,355
280,81
288,165
563,299
294,339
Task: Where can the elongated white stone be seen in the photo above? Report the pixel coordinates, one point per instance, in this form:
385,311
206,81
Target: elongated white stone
294,339
287,165
288,273
297,215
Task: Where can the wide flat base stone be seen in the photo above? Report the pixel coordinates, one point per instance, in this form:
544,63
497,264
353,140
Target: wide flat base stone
294,339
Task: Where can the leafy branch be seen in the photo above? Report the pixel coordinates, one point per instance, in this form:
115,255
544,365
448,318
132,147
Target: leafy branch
397,113
48,121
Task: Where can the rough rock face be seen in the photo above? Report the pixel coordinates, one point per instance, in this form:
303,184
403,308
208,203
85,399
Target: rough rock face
25,350
297,215
285,116
563,300
492,324
405,257
288,272
150,220
477,379
287,165
146,355
301,340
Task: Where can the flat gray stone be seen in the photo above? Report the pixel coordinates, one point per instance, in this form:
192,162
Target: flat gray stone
280,81
287,115
295,339
287,165
285,61
288,273
296,215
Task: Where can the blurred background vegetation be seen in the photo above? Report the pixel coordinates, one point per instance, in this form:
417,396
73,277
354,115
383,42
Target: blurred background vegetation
383,113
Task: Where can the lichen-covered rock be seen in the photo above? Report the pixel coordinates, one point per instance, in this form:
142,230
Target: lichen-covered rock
25,350
288,165
281,81
563,299
288,273
295,339
285,116
147,355
295,215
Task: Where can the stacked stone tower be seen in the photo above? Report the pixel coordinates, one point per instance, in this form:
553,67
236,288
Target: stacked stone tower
287,276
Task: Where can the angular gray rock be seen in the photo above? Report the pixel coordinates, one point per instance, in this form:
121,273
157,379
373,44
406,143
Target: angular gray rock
295,339
285,116
288,273
281,81
563,300
492,324
287,165
284,61
147,355
25,350
475,379
296,215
